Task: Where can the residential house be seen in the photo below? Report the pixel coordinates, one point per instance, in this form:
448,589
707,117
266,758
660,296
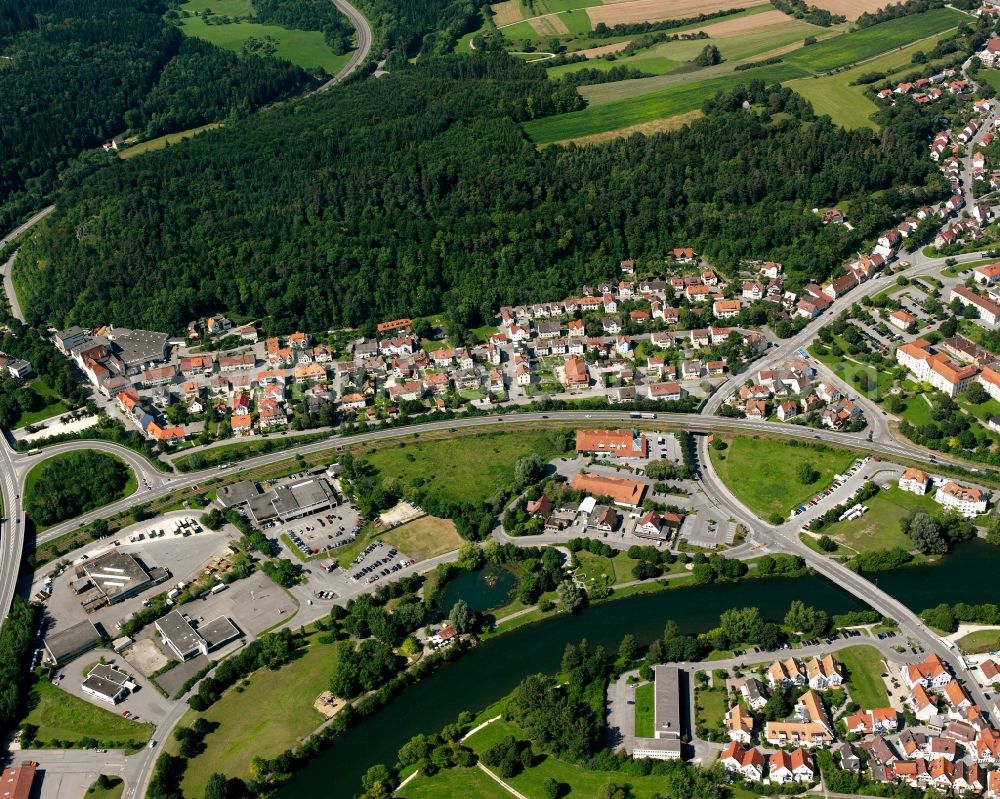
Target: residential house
575,374
915,481
929,673
748,763
824,672
811,725
786,672
612,443
739,723
965,500
754,693
668,392
795,766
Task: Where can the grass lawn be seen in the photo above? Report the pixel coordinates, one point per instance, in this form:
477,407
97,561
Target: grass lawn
762,472
917,411
879,527
868,42
582,781
424,538
54,406
980,641
660,104
710,707
308,49
983,410
32,478
163,141
264,719
847,369
449,783
864,665
645,697
463,468
117,787
60,716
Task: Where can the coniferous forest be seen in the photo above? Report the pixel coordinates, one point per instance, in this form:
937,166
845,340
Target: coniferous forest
419,192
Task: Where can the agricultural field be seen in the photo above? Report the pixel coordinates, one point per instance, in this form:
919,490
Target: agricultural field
424,538
848,105
763,472
308,49
655,105
866,43
852,9
629,11
737,39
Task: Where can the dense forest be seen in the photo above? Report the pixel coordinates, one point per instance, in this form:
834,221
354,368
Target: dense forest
74,483
419,191
73,80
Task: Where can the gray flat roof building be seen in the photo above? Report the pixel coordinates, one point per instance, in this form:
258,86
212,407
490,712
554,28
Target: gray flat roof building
107,683
666,742
180,636
218,632
138,347
118,576
293,500
73,641
236,494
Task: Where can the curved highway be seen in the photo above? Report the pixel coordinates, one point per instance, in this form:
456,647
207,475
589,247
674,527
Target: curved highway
364,30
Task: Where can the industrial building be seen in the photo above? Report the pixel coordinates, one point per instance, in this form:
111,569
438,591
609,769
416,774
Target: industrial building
108,684
114,577
72,641
283,502
186,642
666,743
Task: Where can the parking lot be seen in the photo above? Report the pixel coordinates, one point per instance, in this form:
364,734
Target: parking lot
707,529
321,532
376,561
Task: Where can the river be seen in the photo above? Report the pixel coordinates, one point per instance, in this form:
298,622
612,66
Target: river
492,669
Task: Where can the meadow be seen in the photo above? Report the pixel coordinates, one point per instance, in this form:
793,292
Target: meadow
659,104
308,49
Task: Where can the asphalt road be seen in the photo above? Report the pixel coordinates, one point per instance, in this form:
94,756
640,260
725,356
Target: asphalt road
6,269
364,44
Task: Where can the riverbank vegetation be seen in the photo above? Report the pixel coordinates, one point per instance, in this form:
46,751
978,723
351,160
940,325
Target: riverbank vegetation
72,483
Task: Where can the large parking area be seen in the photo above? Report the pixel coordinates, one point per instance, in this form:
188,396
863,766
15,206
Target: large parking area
376,561
321,532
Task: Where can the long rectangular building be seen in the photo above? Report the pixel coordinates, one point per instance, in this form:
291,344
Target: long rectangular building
612,443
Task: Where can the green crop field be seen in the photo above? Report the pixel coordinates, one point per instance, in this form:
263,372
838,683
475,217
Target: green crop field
656,105
164,141
308,49
763,472
864,665
868,42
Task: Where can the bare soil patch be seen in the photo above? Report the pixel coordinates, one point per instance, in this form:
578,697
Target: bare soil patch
604,49
732,27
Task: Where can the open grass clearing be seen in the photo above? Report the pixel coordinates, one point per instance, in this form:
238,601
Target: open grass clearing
645,699
864,665
710,707
879,527
424,538
60,716
54,406
645,128
656,105
308,49
449,783
762,472
222,8
263,719
980,641
169,139
549,25
850,48
242,450
464,468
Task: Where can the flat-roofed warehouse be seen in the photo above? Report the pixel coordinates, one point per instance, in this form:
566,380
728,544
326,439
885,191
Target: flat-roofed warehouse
67,644
119,575
180,635
666,743
107,684
137,348
293,500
